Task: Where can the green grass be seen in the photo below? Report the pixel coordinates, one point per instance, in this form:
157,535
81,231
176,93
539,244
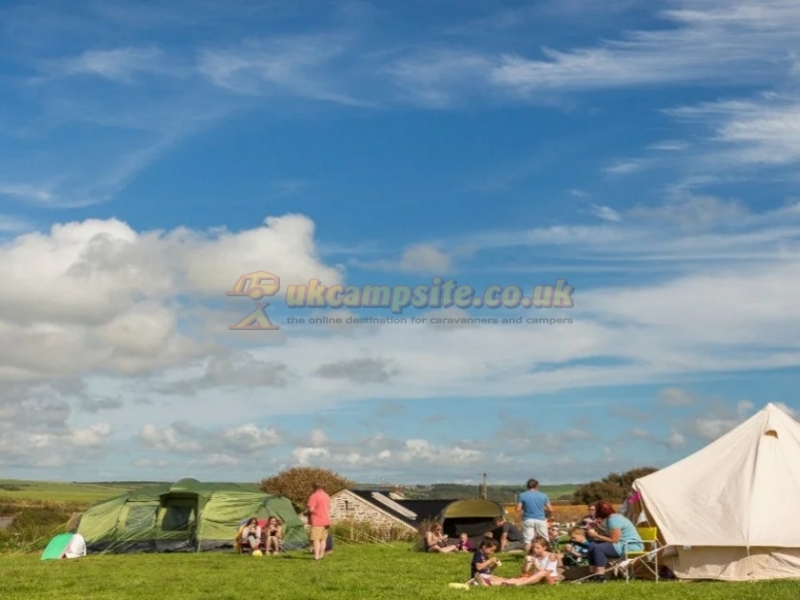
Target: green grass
368,572
63,492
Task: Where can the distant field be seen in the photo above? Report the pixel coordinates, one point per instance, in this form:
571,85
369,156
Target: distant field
69,493
376,572
78,496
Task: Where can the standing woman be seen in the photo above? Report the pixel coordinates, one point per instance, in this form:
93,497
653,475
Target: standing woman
619,533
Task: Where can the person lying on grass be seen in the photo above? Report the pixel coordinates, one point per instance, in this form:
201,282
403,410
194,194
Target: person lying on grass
542,562
436,541
484,564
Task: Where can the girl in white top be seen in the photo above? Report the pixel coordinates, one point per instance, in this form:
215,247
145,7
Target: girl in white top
543,562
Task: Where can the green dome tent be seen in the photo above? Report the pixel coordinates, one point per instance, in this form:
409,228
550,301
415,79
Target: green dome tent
188,516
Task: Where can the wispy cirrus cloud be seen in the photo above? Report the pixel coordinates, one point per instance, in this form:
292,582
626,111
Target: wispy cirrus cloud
117,64
709,41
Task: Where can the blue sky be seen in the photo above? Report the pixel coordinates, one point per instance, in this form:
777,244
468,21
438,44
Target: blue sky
152,153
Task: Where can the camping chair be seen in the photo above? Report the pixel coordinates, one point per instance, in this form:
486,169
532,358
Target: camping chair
648,557
243,546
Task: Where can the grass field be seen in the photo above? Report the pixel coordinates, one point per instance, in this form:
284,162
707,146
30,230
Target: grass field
368,572
64,492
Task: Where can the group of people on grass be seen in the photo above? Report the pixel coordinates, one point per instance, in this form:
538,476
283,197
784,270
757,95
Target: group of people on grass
269,536
318,510
602,535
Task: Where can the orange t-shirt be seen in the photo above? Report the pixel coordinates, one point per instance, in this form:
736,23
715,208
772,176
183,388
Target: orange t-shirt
319,507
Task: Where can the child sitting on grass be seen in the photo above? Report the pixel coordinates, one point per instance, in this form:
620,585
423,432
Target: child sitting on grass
484,564
464,545
542,562
576,553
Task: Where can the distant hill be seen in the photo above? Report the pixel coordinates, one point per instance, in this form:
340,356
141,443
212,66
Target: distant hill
81,494
498,493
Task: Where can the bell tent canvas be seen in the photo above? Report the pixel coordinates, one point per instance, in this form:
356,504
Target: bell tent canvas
729,511
188,516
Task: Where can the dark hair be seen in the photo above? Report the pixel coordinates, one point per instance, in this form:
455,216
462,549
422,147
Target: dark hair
532,484
499,519
252,520
488,542
603,509
317,485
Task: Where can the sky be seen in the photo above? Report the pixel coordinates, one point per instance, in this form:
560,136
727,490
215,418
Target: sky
644,153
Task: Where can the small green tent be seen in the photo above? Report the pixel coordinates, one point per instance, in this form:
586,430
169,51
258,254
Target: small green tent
188,516
65,545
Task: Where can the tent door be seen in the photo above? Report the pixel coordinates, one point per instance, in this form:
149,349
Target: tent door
177,519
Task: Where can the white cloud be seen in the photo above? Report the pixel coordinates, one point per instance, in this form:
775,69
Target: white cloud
760,132
296,65
305,455
676,440
668,146
625,167
425,258
675,397
117,289
606,213
706,42
118,64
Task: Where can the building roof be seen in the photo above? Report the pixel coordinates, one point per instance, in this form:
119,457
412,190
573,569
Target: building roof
410,512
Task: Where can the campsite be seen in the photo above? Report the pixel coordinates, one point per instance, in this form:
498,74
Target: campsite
177,540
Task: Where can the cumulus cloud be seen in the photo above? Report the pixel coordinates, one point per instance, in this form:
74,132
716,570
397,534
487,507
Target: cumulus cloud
117,291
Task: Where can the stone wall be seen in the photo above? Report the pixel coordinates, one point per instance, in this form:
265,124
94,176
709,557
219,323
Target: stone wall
349,507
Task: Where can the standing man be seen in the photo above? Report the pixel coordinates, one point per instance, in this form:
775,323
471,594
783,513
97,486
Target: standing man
535,507
319,518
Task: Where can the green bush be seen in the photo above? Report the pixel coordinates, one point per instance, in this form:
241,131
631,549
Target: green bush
32,528
613,488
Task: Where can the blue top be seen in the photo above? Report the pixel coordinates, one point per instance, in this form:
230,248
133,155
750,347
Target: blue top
580,548
478,558
533,503
628,533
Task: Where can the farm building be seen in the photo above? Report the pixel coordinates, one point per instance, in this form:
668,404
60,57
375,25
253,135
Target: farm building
383,508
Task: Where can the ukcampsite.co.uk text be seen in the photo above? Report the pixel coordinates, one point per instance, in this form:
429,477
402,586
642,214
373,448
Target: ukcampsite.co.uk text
441,294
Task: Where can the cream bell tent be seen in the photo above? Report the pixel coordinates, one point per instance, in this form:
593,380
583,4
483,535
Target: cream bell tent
729,511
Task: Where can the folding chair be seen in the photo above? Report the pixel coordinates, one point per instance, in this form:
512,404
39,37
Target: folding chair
648,557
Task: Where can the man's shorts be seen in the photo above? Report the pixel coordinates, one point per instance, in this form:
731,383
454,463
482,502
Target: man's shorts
318,534
533,528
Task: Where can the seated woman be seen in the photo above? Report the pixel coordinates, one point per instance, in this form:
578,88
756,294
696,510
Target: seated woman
251,533
274,535
436,541
619,534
